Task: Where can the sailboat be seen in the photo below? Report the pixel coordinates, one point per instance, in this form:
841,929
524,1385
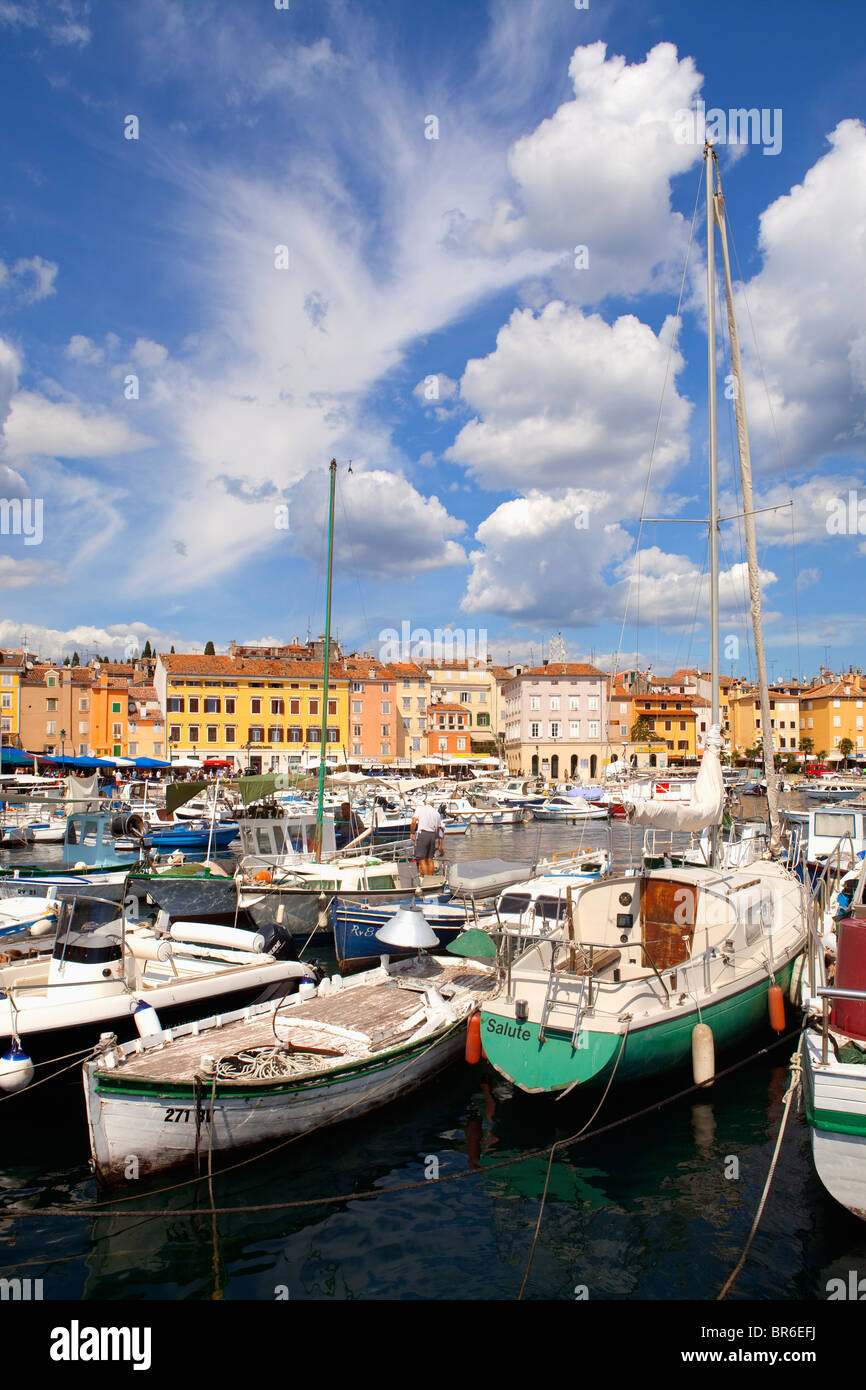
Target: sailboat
649,973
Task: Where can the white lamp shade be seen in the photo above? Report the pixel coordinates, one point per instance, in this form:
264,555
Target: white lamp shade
409,929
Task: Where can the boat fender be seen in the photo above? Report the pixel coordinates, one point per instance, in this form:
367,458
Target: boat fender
263,876
146,1019
703,1055
16,1069
776,1008
43,926
797,982
473,1040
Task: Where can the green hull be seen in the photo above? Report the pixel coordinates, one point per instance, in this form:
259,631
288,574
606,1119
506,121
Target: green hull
514,1050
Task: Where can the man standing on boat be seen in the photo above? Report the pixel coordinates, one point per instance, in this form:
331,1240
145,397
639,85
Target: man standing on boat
426,829
350,824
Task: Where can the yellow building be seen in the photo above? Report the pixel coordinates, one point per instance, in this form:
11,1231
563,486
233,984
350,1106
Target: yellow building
744,704
250,711
833,710
11,671
673,719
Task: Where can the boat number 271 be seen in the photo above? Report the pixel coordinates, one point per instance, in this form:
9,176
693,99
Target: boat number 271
177,1117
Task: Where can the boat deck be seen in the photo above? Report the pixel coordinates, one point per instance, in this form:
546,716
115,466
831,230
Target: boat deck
379,1011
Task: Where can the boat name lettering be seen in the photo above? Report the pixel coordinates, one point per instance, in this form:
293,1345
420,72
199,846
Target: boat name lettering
508,1030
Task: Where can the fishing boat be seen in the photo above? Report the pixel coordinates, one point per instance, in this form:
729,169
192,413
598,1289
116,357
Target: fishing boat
263,1074
652,972
90,861
193,837
356,922
481,810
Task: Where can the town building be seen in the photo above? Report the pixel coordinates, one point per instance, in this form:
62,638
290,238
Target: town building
265,713
556,719
12,669
832,711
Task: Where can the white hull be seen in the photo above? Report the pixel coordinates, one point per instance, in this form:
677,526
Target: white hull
837,1090
160,1130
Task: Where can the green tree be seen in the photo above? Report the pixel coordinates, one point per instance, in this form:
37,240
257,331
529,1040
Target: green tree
66,661
76,661
807,746
147,651
846,748
640,731
172,649
208,651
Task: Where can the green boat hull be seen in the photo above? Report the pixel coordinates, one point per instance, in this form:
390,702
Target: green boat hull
515,1051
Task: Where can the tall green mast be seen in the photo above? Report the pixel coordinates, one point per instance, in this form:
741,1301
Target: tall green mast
326,662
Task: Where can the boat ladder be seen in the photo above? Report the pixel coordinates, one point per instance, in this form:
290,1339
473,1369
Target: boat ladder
552,999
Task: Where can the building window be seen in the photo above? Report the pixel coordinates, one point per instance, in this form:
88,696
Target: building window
51,680
51,727
683,743
174,733
275,734
313,735
314,707
295,734
555,728
554,702
230,733
117,731
682,726
385,688
407,706
483,720
212,733
83,705
175,704
535,731
255,705
194,733
357,688
386,707
211,706
193,704
593,728
461,744
256,734
535,702
574,728
332,707
386,730
230,704
421,702
667,721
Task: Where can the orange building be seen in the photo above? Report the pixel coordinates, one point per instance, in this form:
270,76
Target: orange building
448,731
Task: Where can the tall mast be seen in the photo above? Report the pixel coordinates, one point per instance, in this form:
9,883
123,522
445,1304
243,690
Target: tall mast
326,663
751,540
712,426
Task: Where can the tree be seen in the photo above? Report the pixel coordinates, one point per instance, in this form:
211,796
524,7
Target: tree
208,651
66,661
172,649
846,748
147,652
640,731
807,745
76,661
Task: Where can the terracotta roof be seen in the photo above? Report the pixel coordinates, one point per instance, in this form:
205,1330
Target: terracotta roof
80,675
195,664
407,670
443,706
143,692
836,688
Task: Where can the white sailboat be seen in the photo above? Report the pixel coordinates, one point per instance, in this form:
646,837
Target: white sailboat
647,971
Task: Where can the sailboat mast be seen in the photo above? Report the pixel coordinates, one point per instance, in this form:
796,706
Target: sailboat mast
326,664
751,539
712,425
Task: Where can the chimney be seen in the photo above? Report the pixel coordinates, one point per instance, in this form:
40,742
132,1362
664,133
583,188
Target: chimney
233,646
546,661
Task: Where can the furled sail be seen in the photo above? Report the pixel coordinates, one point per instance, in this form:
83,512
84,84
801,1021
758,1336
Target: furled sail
707,804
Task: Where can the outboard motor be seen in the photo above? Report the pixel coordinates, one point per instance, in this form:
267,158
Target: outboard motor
89,964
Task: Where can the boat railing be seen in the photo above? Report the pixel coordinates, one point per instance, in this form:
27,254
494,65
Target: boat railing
825,994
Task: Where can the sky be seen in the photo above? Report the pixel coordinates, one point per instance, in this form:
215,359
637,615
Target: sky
444,244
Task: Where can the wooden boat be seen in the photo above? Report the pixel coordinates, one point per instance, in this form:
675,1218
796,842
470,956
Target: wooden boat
262,1074
569,809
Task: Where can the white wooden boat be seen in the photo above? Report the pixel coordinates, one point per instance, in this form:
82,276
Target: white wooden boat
271,1072
104,976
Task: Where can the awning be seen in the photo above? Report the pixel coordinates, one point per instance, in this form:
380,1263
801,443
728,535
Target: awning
151,762
11,757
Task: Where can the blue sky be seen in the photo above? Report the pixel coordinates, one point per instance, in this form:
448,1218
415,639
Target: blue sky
509,502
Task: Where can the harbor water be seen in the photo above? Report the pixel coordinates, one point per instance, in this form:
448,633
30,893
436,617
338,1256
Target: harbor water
657,1206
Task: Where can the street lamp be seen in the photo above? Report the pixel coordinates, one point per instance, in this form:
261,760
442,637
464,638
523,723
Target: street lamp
62,742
